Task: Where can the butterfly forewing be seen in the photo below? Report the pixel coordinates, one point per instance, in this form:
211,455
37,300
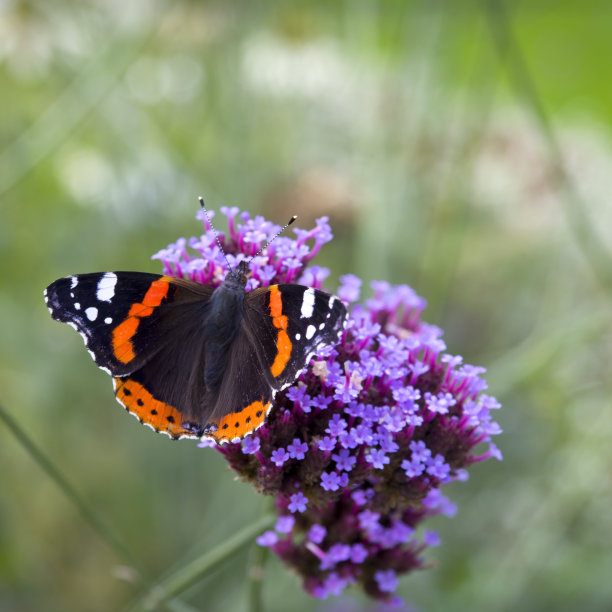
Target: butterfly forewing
95,304
301,320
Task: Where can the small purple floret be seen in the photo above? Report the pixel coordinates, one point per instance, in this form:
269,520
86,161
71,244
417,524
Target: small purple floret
298,502
297,449
250,445
377,458
317,533
268,538
326,443
285,524
344,460
387,580
330,481
279,456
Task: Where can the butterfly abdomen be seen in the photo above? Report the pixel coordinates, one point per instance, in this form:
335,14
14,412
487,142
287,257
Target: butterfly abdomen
220,328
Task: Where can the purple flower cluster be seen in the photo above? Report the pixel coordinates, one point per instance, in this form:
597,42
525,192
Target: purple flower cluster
283,261
356,450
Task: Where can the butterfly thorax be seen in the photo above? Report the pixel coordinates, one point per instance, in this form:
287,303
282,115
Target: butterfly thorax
222,323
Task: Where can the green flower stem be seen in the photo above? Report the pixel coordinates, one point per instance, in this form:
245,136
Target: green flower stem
69,491
259,556
194,571
90,515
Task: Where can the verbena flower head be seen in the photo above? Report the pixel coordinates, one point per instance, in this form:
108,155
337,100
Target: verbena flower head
357,449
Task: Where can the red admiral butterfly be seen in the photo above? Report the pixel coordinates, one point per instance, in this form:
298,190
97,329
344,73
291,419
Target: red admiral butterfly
190,361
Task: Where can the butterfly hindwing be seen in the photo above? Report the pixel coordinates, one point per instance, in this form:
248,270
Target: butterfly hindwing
161,416
245,395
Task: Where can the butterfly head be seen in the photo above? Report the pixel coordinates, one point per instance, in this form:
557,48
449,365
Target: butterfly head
238,276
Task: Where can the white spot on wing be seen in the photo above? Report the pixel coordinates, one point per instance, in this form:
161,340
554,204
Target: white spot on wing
74,281
308,303
298,336
332,299
310,331
108,320
106,287
77,306
92,313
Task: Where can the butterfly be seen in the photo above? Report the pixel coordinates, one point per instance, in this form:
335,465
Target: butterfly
191,361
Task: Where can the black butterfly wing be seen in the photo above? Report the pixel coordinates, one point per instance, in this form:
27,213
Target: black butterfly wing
282,328
146,331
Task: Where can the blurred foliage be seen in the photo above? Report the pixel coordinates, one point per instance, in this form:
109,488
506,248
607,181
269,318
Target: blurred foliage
413,126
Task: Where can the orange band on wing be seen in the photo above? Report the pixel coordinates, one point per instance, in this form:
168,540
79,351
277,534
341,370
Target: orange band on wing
122,339
150,411
156,292
140,310
280,321
123,349
239,424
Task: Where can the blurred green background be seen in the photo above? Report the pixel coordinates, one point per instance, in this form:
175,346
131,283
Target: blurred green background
461,147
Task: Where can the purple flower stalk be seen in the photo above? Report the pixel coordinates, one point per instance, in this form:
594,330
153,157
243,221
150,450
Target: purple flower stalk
356,450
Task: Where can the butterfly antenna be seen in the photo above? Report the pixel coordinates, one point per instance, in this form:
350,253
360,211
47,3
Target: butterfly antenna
214,230
267,244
